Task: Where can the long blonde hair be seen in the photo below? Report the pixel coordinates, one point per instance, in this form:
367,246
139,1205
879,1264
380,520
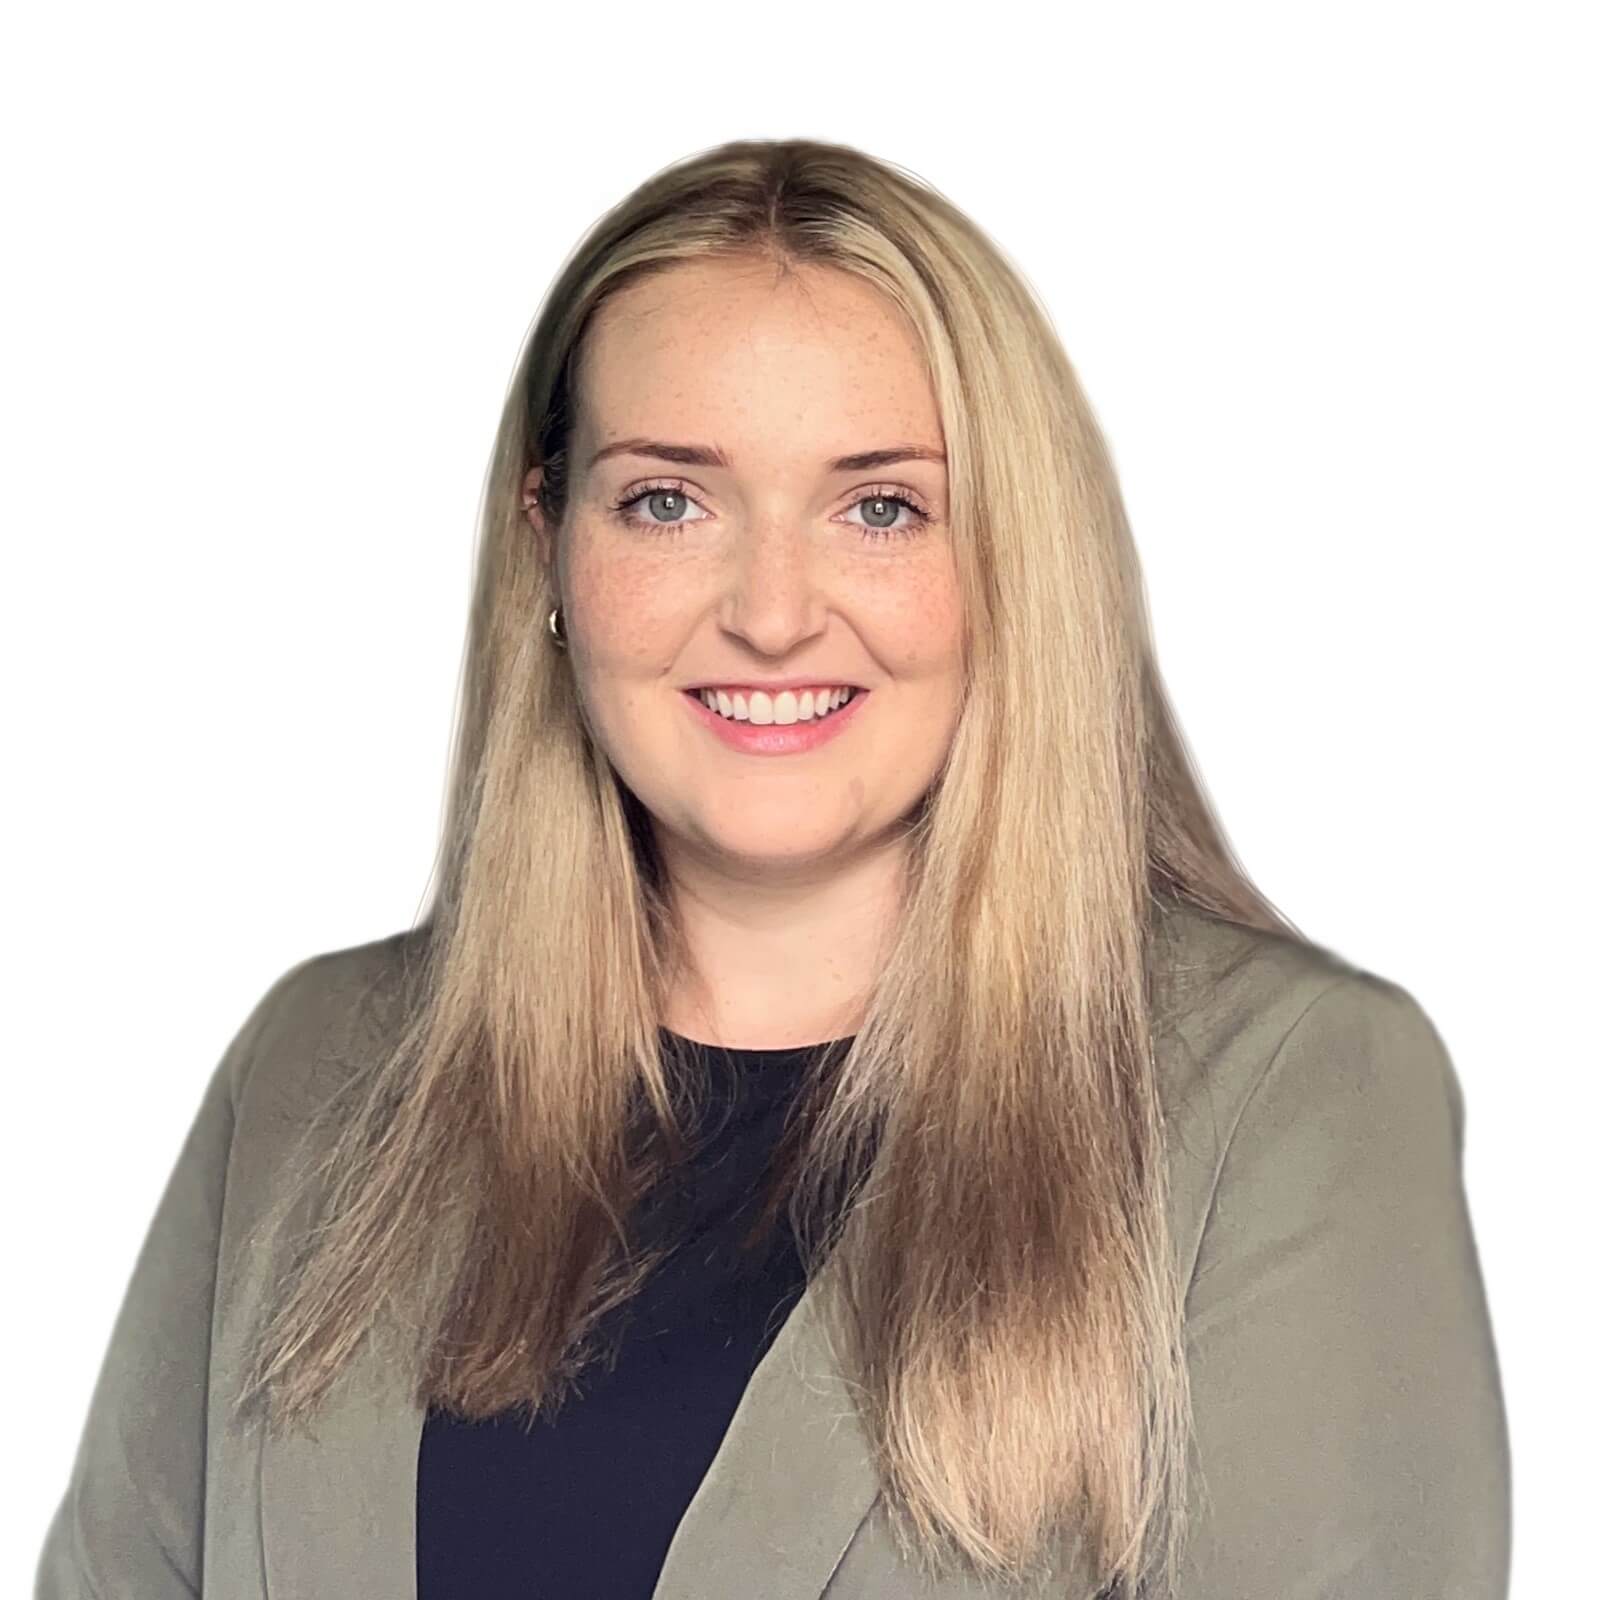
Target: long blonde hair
1008,1302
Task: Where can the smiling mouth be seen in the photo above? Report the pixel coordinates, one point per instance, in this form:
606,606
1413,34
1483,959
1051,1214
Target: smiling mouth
784,709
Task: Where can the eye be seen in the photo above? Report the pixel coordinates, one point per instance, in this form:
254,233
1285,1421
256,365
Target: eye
654,491
877,498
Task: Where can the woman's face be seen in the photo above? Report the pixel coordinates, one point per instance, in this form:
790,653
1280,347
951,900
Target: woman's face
770,562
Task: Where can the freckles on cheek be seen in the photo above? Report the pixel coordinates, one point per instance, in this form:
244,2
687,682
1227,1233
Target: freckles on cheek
624,615
921,621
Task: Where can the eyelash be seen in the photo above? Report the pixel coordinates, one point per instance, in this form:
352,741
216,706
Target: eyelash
620,508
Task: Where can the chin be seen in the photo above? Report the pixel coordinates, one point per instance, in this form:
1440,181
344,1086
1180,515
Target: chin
776,843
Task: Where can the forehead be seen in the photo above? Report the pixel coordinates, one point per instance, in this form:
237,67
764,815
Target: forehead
732,353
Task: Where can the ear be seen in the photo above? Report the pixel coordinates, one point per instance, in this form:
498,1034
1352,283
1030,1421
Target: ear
533,511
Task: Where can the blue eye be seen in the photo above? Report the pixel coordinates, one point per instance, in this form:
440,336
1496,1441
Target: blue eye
921,517
651,491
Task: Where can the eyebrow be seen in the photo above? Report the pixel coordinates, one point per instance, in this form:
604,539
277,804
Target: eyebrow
699,455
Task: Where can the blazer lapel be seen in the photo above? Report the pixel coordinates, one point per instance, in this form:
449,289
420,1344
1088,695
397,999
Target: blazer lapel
788,1488
338,1509
785,1493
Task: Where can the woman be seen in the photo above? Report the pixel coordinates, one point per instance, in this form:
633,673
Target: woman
846,1124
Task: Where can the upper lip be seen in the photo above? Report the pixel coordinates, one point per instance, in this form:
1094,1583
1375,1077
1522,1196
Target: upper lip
771,686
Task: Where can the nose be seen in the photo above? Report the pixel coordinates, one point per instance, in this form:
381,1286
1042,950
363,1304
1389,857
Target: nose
772,597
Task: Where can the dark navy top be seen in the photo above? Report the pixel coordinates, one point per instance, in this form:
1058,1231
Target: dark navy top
587,1503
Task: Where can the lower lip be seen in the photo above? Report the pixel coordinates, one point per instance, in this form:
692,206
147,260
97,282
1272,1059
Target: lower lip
777,739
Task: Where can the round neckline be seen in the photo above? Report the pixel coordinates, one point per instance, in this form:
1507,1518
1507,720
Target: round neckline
743,1053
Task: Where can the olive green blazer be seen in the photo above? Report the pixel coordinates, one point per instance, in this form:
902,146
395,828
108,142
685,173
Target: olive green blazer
1350,1431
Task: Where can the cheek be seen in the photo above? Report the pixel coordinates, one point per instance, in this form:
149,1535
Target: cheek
917,622
627,612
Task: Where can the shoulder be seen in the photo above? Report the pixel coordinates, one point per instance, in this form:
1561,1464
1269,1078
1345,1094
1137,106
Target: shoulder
1229,1001
1225,995
317,1024
1260,1033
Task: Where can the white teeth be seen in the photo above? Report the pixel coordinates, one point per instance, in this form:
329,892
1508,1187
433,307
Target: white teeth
780,709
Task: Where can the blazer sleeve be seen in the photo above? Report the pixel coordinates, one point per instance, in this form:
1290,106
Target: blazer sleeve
1349,1419
131,1520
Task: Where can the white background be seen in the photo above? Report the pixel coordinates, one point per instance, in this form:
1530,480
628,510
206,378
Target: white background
1326,272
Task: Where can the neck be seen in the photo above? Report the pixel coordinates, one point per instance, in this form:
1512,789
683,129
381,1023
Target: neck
778,962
